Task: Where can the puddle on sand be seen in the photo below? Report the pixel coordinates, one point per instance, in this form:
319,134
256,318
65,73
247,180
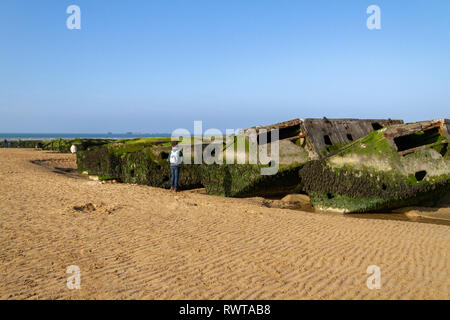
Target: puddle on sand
394,216
397,215
278,201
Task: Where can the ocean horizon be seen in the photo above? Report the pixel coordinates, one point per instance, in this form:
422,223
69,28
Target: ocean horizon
68,136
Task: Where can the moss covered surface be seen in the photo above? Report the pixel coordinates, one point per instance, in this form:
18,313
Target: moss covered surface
60,145
362,190
373,145
132,145
354,181
332,149
242,180
142,164
24,144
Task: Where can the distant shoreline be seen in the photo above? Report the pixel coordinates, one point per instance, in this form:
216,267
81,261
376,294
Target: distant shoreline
68,136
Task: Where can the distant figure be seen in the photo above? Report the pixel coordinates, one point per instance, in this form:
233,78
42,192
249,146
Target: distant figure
9,144
5,143
73,149
19,142
175,160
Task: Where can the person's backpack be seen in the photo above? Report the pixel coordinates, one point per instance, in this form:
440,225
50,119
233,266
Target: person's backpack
175,157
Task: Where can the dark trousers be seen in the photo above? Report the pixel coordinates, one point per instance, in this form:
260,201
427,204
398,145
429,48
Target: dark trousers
174,172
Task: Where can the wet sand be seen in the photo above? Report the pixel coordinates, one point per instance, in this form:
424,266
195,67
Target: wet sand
438,214
136,242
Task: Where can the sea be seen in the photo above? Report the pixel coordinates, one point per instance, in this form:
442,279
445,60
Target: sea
68,136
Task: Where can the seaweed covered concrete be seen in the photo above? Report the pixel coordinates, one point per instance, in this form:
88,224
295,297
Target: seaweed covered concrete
299,141
144,161
60,145
141,161
245,180
322,137
392,167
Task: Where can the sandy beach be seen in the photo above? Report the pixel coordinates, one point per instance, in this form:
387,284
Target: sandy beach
139,242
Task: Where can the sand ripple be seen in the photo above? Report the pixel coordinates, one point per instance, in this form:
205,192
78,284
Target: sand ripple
134,242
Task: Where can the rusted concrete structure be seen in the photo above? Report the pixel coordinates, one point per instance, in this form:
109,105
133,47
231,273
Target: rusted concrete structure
405,139
401,165
322,137
300,141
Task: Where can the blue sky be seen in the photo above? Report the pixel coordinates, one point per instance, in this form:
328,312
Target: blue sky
153,66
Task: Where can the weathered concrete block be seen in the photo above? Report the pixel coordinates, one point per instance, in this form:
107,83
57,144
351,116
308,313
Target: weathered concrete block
397,166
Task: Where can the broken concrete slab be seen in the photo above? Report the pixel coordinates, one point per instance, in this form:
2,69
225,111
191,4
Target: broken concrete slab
140,161
300,141
401,165
322,137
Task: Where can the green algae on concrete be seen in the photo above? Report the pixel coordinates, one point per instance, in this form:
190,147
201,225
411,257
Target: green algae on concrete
239,173
145,162
60,145
63,145
240,177
245,180
372,174
139,161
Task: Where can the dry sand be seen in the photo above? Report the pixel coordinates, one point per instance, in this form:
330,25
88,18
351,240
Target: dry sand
134,242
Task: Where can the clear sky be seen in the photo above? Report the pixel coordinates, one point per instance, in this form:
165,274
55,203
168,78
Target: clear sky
157,65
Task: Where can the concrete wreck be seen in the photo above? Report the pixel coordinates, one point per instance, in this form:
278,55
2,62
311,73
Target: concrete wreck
299,141
144,161
400,165
140,161
321,137
347,165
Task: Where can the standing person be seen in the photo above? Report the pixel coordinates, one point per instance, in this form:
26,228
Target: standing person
175,160
5,143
